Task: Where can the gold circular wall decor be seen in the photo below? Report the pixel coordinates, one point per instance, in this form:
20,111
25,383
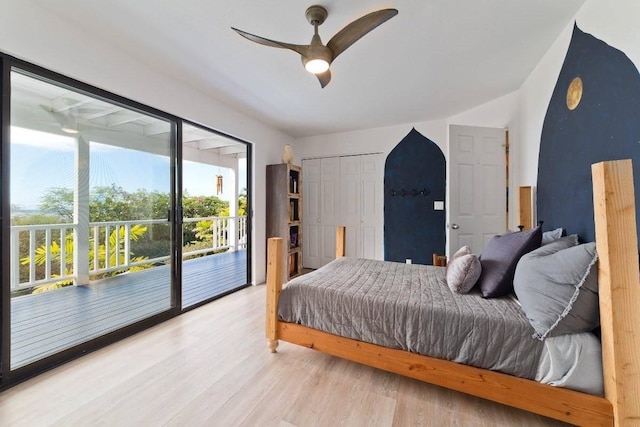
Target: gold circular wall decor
574,93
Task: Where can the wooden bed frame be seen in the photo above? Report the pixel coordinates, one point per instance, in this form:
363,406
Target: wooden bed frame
619,283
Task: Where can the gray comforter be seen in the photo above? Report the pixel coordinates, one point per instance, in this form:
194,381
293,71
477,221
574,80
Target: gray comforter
410,307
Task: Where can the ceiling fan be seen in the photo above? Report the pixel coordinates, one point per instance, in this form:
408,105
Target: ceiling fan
317,57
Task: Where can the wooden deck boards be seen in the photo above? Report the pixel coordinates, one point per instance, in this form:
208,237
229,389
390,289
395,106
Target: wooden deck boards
46,323
229,270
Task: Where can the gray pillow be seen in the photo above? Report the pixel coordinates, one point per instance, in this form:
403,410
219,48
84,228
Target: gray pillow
557,286
550,236
465,250
463,272
500,257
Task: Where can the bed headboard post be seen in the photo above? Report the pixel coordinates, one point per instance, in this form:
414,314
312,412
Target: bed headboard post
619,286
525,207
274,287
340,241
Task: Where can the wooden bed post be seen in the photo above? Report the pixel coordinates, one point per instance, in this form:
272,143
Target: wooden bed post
619,286
340,241
274,287
525,208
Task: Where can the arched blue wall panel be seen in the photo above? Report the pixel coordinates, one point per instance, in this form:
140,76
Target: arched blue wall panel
604,126
414,177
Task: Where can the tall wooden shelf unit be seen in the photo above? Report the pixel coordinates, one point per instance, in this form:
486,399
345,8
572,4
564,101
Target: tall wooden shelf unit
284,213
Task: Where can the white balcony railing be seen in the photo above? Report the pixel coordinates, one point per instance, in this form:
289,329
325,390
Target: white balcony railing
51,243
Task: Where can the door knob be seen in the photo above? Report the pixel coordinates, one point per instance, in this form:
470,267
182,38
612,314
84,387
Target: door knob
455,226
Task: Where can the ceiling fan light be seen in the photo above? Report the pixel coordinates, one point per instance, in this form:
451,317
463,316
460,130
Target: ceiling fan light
69,130
316,66
70,125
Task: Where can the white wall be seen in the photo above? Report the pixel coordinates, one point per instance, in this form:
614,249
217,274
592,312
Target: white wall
29,32
376,140
499,113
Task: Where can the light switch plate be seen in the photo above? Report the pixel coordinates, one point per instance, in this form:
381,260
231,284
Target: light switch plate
438,205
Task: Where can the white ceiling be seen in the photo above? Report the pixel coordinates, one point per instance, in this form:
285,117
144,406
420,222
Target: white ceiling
435,59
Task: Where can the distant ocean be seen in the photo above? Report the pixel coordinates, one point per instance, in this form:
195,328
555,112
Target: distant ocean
24,211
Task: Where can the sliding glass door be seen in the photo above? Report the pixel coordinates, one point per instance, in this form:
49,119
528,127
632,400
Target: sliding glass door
92,194
115,217
214,220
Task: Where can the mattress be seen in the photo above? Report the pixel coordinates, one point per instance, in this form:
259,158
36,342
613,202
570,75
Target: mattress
410,307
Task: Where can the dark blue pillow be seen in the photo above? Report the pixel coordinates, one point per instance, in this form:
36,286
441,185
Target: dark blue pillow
500,257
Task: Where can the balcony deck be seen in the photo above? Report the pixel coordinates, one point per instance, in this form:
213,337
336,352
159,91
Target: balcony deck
43,324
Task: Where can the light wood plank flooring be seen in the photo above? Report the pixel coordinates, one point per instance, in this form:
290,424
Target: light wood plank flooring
211,367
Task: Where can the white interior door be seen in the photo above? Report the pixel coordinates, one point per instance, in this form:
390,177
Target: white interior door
477,186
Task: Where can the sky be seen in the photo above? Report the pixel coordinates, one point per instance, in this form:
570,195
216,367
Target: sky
40,161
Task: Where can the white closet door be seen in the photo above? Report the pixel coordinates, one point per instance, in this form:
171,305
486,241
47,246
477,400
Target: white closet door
311,214
329,206
342,191
351,203
361,204
321,210
372,212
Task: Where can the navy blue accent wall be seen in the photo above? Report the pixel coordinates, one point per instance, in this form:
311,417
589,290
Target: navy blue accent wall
414,177
604,126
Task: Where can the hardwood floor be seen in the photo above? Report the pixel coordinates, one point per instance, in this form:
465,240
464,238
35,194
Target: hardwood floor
211,367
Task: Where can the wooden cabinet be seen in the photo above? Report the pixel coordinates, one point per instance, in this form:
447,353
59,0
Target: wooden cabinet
284,213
